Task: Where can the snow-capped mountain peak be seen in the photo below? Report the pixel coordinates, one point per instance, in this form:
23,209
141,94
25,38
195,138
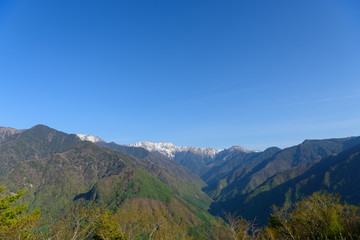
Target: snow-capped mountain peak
89,137
170,149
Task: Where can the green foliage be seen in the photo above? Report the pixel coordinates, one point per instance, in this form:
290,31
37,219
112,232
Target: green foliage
151,187
183,182
14,223
140,218
319,216
240,228
316,217
76,222
106,228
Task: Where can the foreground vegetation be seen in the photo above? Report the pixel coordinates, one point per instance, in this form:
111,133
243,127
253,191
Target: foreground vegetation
135,218
319,216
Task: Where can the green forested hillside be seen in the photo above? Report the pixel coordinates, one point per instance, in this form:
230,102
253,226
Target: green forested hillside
181,180
57,170
35,143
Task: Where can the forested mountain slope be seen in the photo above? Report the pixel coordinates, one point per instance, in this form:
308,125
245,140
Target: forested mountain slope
157,159
336,173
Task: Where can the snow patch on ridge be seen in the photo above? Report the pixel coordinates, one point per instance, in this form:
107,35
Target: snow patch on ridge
239,148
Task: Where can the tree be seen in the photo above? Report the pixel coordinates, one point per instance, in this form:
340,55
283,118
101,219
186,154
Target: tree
242,229
14,222
76,222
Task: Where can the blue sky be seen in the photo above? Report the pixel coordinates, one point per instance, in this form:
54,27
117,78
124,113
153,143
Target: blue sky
200,73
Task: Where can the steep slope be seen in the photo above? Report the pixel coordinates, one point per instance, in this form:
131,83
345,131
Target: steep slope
233,165
307,152
38,142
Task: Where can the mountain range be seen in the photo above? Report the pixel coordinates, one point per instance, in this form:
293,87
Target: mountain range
244,181
57,169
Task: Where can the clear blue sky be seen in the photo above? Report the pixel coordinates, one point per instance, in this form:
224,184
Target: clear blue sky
201,73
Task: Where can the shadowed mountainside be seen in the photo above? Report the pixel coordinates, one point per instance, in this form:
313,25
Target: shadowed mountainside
301,163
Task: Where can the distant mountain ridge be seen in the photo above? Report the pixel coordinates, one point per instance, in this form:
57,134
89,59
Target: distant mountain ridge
193,158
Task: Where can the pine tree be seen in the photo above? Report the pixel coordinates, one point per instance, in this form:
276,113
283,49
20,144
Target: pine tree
14,222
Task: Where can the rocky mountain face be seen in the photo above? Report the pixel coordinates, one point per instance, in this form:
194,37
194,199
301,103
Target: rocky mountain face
7,132
194,159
